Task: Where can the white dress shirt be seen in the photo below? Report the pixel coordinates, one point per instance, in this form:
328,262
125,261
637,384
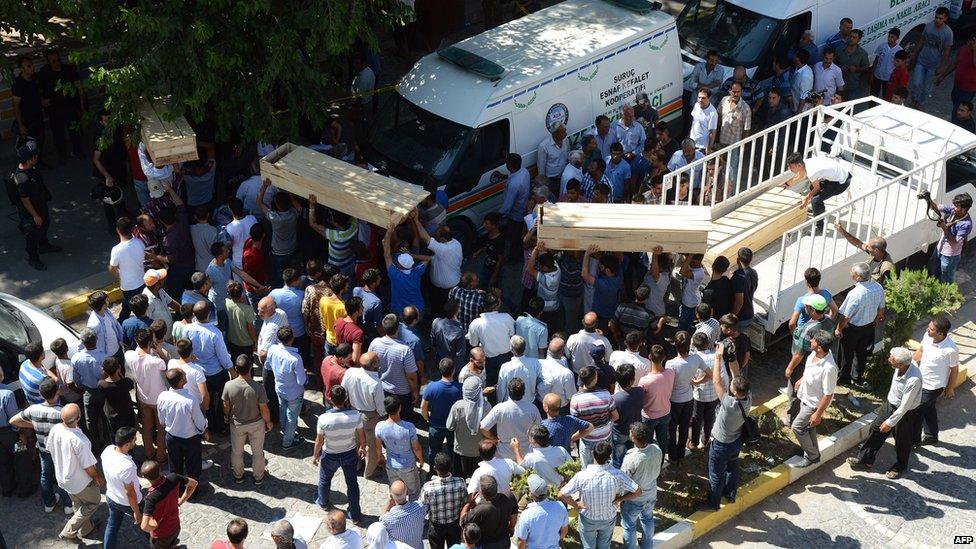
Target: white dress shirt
350,539
641,365
819,379
180,413
569,172
71,452
555,377
364,389
578,348
828,80
937,361
120,471
905,393
523,367
552,158
492,331
703,122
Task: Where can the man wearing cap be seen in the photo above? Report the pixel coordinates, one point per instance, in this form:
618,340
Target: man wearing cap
33,216
544,522
160,302
405,276
813,392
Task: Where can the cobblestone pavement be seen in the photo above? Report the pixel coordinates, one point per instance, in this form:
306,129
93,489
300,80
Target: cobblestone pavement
838,507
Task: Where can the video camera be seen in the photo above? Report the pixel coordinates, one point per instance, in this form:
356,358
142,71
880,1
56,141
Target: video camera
925,195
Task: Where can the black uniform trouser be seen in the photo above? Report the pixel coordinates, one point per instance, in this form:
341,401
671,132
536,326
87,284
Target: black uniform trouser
65,121
856,346
37,236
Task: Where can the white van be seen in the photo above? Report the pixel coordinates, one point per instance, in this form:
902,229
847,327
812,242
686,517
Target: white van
750,32
459,112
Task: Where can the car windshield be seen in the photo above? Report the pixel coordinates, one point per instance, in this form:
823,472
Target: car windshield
407,142
740,36
12,329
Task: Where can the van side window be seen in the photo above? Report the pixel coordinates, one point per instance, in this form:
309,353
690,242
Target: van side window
785,42
486,151
960,170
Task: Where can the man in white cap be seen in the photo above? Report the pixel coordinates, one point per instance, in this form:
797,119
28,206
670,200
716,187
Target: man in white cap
544,522
405,276
897,414
160,302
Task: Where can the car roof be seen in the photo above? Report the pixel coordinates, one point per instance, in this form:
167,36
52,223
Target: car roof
531,48
928,136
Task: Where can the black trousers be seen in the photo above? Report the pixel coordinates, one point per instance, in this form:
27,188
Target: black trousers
215,415
64,124
465,466
702,416
856,346
903,432
678,428
928,415
267,377
124,312
185,454
8,438
828,189
37,236
444,535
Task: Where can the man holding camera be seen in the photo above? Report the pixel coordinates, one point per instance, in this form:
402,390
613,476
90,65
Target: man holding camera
956,225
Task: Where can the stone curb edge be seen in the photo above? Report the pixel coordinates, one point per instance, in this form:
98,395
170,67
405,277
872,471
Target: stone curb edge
774,480
76,306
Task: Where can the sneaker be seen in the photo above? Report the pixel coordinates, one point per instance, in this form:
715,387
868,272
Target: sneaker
260,481
856,463
37,263
57,498
207,463
239,480
806,462
69,510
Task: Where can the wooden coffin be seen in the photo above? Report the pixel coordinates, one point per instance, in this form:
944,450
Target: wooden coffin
755,224
363,194
625,227
167,141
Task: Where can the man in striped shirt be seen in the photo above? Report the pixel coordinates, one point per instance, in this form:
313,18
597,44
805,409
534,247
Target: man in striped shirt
340,442
33,372
40,418
343,230
595,406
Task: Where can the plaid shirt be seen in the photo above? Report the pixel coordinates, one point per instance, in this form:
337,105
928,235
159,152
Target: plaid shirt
443,498
736,120
587,185
598,485
471,302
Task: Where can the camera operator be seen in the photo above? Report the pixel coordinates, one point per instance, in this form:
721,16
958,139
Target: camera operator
956,224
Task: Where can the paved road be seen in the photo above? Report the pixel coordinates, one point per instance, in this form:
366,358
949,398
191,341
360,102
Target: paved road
838,507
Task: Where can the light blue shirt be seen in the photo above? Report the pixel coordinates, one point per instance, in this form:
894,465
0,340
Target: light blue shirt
516,195
631,138
602,143
556,377
535,332
398,440
219,275
540,523
289,372
208,347
396,362
179,412
289,300
523,367
617,174
86,368
8,406
102,324
863,302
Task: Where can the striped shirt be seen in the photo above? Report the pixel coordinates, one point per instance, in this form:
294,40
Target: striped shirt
42,417
340,245
863,302
598,486
30,380
396,361
405,523
595,408
338,429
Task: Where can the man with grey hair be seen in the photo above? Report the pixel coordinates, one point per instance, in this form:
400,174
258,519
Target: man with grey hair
630,133
862,309
271,318
685,156
882,265
339,537
552,156
897,414
555,375
573,170
283,536
404,519
520,366
814,391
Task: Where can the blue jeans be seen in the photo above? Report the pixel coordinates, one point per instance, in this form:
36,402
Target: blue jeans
723,471
621,443
947,266
116,518
920,86
329,464
595,534
142,191
49,485
437,436
633,513
686,318
660,428
586,451
288,411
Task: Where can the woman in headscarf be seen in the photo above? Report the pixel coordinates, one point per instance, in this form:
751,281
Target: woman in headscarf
464,419
378,538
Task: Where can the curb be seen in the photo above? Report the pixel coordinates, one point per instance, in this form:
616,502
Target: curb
76,306
777,478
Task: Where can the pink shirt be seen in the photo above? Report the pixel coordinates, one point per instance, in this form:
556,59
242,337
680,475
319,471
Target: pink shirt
657,393
147,371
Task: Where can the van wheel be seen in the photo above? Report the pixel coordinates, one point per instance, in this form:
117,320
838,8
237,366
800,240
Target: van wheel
908,41
464,233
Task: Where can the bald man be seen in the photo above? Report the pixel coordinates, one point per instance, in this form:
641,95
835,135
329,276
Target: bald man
404,519
579,344
564,430
477,359
75,469
339,537
362,384
271,318
877,247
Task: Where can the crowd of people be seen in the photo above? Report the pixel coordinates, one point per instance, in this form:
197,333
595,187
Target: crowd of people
626,362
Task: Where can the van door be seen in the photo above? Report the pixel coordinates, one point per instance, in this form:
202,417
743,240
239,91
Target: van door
787,39
475,188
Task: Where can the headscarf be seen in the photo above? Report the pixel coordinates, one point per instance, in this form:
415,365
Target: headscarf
474,403
377,537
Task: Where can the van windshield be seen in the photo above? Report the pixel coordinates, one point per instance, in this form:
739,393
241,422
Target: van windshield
740,36
412,144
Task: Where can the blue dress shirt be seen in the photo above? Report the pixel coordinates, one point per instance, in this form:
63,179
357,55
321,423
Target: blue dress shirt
289,372
208,347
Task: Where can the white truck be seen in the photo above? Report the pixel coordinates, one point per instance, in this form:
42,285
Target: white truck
751,32
894,153
459,112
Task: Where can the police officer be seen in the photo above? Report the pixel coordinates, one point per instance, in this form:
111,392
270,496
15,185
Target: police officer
33,196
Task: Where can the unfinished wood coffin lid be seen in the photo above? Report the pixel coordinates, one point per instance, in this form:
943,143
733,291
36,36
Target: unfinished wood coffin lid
167,141
625,227
345,187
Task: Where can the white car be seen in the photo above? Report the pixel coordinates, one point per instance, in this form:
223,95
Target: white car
22,323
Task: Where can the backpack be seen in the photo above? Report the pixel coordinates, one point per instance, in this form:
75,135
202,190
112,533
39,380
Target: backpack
750,427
